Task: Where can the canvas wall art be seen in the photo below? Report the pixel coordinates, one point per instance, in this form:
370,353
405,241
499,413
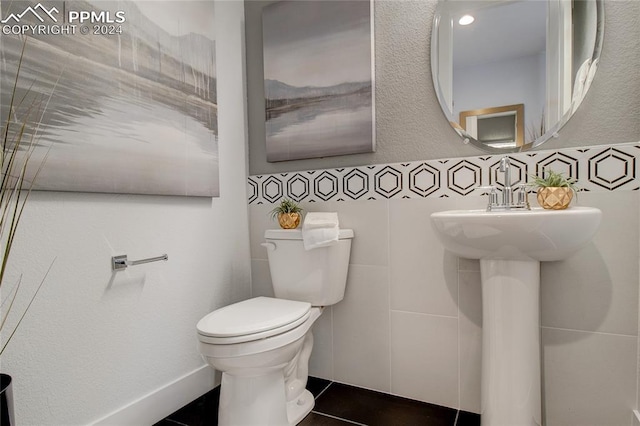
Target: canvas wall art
134,105
319,79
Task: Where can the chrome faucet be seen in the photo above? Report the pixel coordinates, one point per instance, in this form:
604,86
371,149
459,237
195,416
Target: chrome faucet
521,201
507,191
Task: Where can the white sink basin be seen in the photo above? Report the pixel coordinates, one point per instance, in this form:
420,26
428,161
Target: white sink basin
510,246
537,234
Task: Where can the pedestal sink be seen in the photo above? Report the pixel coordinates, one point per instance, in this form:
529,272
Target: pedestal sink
510,245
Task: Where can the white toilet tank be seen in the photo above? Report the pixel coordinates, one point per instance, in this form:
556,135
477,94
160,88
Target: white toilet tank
317,276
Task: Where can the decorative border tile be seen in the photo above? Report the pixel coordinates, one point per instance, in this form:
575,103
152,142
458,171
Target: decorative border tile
597,168
355,184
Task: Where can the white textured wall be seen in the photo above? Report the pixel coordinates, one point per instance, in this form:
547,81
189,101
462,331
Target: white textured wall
95,341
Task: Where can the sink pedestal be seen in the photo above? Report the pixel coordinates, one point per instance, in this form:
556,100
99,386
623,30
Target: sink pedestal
510,245
510,343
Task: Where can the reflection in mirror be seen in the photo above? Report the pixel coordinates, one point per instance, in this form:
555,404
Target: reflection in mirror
499,127
539,54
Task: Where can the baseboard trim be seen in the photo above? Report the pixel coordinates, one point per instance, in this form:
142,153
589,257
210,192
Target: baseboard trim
158,404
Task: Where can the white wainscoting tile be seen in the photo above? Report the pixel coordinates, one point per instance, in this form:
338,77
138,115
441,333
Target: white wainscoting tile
597,288
470,339
361,329
586,378
424,358
321,361
261,278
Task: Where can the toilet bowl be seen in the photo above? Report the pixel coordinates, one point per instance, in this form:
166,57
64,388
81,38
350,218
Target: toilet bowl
262,345
264,371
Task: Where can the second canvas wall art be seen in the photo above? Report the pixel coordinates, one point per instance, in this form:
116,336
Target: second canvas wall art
319,79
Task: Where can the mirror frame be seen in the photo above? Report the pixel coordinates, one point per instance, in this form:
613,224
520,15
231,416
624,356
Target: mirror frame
552,132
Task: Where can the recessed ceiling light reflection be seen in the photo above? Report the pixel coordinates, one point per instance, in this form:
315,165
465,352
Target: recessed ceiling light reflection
466,20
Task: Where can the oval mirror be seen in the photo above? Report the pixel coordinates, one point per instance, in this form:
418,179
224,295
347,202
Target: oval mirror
510,73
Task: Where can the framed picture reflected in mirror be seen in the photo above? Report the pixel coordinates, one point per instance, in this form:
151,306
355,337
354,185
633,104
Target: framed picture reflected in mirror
495,127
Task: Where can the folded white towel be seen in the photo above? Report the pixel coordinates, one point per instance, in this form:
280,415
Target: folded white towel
320,229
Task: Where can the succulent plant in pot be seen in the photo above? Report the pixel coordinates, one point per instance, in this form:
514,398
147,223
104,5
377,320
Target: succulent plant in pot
555,191
288,213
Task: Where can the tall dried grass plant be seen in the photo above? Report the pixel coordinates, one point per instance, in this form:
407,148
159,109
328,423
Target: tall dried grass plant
22,122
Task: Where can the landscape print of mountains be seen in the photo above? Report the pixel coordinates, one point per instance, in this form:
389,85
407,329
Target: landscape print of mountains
133,111
318,74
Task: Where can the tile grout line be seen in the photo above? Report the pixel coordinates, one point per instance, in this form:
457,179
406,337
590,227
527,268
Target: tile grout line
588,331
458,342
455,422
638,345
176,422
333,346
637,342
323,390
338,418
422,313
389,314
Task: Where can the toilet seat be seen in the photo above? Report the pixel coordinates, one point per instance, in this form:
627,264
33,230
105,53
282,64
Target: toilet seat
252,319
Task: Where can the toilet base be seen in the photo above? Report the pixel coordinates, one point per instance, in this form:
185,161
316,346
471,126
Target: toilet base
300,407
260,401
253,400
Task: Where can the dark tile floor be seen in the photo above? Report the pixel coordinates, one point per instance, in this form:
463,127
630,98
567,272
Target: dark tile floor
339,405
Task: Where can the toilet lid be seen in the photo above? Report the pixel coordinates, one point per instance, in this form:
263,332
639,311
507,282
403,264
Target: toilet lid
259,317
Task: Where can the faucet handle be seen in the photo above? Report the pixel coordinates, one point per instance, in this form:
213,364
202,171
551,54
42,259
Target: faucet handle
493,198
523,187
493,195
522,199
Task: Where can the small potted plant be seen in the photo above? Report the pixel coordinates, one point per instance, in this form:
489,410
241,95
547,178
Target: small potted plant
288,213
554,191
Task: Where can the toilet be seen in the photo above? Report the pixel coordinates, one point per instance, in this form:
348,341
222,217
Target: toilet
262,345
